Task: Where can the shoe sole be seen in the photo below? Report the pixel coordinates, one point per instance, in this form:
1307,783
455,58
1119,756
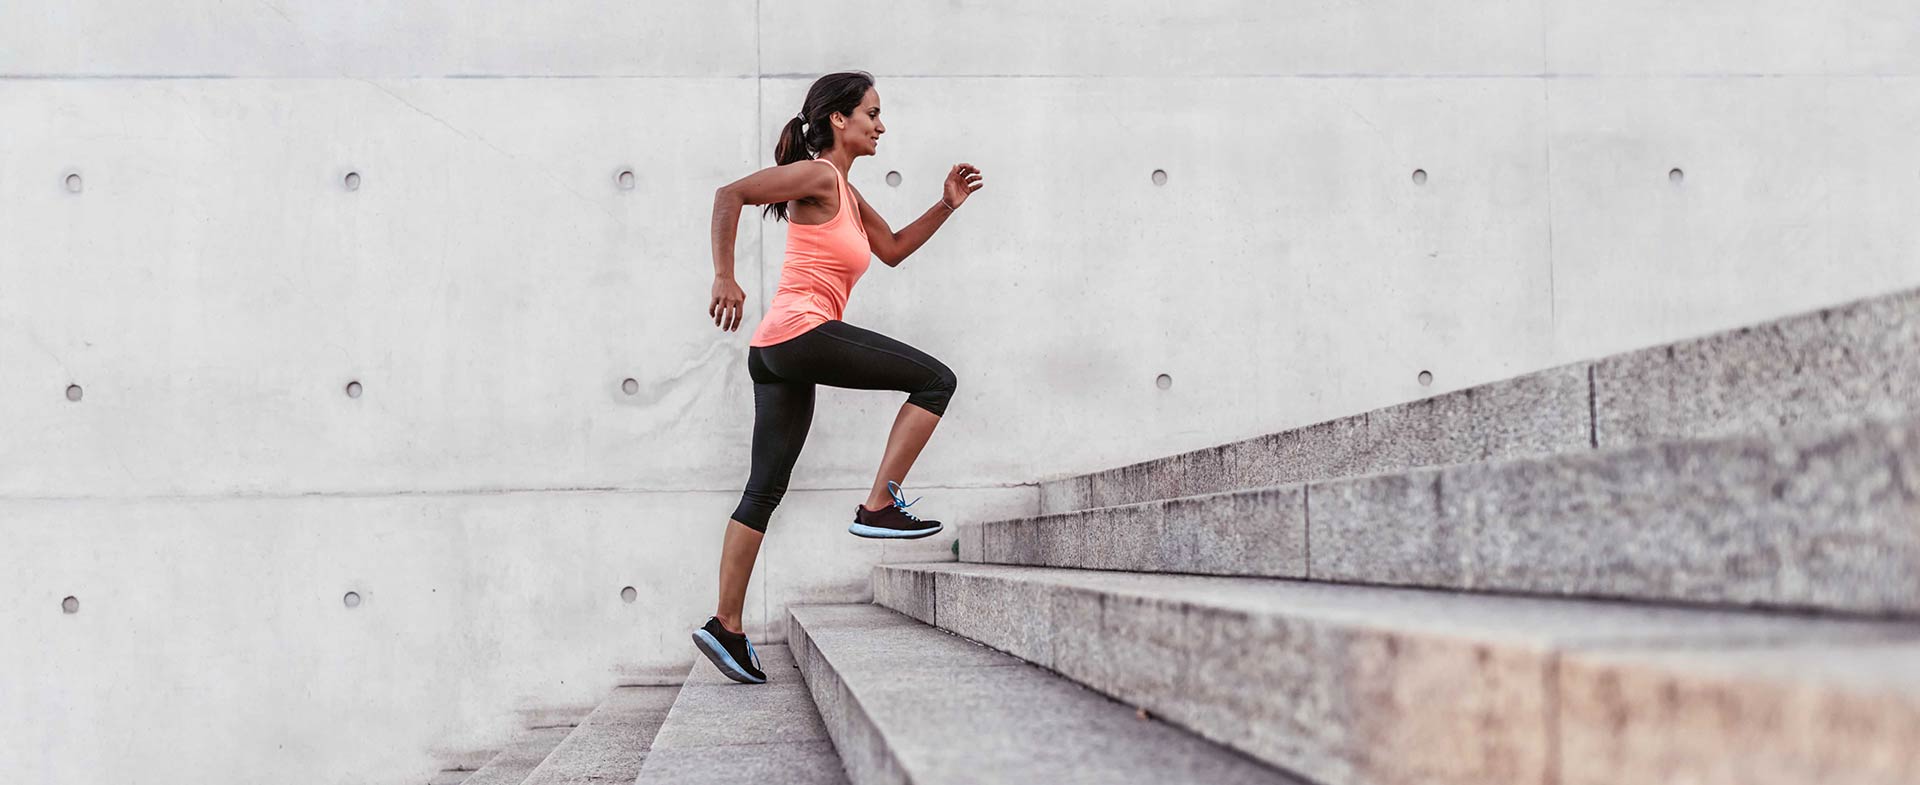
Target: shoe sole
721,659
879,533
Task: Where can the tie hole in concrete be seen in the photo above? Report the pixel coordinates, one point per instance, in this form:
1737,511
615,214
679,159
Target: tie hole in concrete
70,605
353,389
630,386
893,179
73,183
629,594
74,393
1163,381
352,181
1426,379
352,599
1419,177
1159,177
625,180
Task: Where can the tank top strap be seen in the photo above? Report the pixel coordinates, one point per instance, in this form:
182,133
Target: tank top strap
848,207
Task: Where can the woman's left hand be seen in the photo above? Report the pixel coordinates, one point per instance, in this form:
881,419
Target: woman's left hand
964,179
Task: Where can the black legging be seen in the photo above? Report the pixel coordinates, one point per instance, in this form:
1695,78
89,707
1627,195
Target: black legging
835,354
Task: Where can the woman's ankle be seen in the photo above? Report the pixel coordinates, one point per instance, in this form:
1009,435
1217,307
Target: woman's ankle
731,624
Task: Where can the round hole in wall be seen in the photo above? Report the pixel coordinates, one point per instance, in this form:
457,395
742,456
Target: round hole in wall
1163,381
1419,177
353,181
73,183
630,386
625,180
1426,378
353,389
70,605
629,594
1159,177
352,599
74,392
1676,176
893,179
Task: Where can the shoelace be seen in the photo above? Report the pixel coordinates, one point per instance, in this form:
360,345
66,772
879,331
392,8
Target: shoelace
900,502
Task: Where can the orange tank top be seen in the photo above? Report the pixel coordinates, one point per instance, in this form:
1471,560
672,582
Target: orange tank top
822,263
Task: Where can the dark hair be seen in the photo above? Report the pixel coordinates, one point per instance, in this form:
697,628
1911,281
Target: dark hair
841,92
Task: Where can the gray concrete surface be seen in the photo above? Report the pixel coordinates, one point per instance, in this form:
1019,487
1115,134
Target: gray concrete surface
907,703
1851,361
1813,517
1797,713
1356,685
1822,519
1534,414
721,731
609,745
529,747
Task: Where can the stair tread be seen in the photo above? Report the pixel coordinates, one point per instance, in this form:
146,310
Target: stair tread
924,706
720,731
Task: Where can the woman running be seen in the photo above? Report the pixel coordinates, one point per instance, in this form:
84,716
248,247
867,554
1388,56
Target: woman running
832,232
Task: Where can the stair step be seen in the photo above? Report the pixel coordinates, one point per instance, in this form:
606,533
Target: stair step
1823,518
720,731
612,742
1860,359
908,703
1353,685
524,754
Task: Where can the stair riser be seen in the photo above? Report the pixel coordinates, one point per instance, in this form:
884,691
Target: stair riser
1345,699
1826,520
1861,359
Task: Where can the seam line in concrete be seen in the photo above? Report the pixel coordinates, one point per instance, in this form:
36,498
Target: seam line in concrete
1593,411
460,492
46,77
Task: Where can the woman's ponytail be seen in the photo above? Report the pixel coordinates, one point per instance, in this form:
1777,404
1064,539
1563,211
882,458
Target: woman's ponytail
808,133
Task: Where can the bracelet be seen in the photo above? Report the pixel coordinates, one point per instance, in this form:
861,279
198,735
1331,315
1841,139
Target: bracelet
943,203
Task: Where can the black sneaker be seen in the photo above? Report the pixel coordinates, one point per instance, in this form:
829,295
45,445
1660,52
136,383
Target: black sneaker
730,652
892,522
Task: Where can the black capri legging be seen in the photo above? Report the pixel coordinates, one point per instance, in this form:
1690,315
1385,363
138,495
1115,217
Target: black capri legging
835,354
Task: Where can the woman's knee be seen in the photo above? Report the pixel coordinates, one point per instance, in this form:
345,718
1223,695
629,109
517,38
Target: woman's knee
938,392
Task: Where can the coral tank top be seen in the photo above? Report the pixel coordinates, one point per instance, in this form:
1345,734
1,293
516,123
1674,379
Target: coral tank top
822,263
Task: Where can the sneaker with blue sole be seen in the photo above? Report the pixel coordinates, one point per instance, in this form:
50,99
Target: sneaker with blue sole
892,522
731,652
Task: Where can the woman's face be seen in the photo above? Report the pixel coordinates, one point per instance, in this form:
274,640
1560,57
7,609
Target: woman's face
861,132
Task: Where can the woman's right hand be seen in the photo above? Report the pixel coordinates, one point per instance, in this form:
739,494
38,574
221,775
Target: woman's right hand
727,304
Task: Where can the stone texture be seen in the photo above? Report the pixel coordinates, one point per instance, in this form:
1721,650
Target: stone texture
801,763
1835,715
610,745
1534,414
723,731
1345,685
1857,360
966,714
521,756
1827,518
1256,532
1849,362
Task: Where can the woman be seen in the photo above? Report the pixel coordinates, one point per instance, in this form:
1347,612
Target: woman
802,341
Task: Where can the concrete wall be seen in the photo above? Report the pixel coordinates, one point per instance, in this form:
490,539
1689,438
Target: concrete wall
213,286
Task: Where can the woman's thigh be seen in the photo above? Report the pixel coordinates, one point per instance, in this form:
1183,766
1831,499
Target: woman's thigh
838,354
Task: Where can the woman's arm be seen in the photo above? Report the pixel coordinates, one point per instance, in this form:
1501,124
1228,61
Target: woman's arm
894,247
769,185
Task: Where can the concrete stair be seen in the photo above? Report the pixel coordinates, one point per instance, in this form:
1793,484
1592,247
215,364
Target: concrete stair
1854,361
907,703
606,744
1698,563
1819,518
727,733
1352,684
